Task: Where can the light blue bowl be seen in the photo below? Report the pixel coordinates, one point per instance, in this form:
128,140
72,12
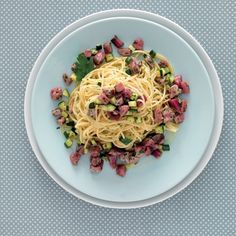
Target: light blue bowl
151,177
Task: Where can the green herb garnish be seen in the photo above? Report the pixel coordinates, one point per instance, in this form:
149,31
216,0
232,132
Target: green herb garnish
84,66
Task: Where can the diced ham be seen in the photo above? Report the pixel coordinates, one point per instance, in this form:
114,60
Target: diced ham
80,149
156,153
174,91
56,112
138,44
184,105
73,67
119,101
109,92
147,151
127,93
139,102
96,161
168,115
149,61
114,115
179,118
134,65
56,93
103,98
148,142
123,110
139,148
119,87
158,138
66,79
174,103
74,158
129,158
95,151
185,87
117,42
96,169
178,80
61,120
125,52
163,64
107,48
112,161
99,58
158,117
88,53
121,170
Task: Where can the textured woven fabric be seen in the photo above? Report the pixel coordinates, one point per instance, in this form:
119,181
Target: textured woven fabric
31,203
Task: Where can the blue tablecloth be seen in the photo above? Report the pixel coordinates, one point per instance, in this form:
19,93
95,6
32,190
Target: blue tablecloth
32,204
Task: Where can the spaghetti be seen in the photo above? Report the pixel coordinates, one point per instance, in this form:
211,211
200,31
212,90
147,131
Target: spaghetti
108,75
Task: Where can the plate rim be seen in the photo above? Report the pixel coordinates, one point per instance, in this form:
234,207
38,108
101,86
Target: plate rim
217,91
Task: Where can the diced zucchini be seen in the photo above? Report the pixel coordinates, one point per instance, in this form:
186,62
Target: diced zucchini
152,53
66,93
167,70
138,120
131,119
170,78
128,60
64,114
98,47
172,127
129,166
107,146
108,107
66,134
165,147
68,143
160,129
73,76
92,105
131,112
94,51
128,71
125,140
113,100
62,105
162,72
97,101
109,57
131,47
158,73
134,96
70,123
72,135
93,142
132,104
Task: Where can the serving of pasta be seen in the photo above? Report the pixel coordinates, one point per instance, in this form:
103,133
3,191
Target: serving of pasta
120,107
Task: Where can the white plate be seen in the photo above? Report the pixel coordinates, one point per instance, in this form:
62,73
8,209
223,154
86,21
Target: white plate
143,201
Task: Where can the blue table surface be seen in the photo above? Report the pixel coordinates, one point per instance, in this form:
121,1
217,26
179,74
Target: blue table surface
32,204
